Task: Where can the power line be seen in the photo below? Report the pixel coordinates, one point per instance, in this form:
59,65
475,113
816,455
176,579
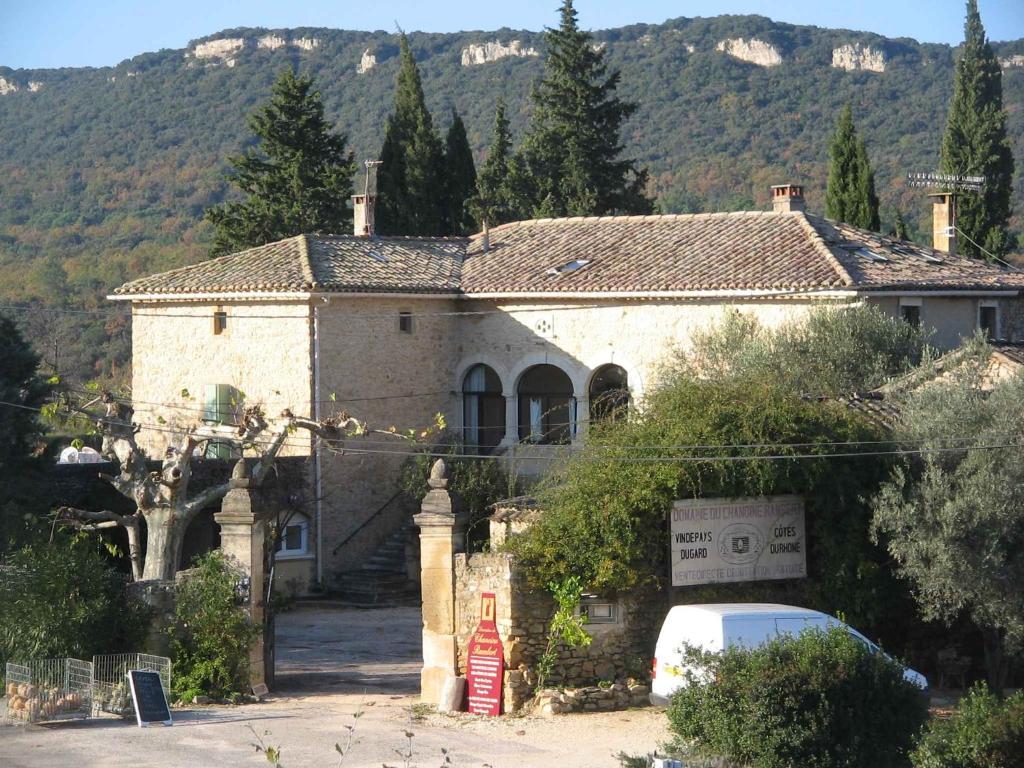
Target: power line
233,317
991,255
577,455
563,425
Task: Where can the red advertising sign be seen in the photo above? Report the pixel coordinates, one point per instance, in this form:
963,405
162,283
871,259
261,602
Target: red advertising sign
485,669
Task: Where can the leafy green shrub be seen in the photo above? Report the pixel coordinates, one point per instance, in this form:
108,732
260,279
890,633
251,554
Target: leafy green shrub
211,634
822,699
565,628
479,481
63,598
984,732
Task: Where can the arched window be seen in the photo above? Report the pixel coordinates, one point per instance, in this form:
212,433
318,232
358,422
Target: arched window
483,409
547,408
609,393
293,539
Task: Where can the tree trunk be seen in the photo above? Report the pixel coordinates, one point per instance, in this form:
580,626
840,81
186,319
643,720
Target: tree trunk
164,535
134,548
996,667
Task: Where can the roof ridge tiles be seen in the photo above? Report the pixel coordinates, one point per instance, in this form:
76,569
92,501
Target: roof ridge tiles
819,244
306,262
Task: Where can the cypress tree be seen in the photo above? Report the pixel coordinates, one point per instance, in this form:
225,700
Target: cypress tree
298,180
975,143
460,179
410,199
501,196
850,196
899,227
573,146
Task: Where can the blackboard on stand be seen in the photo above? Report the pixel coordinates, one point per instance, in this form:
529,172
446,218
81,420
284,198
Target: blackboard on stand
148,697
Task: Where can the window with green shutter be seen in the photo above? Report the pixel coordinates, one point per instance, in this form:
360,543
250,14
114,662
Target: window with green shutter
221,403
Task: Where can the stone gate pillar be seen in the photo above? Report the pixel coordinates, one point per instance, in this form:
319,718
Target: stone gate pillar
243,538
442,522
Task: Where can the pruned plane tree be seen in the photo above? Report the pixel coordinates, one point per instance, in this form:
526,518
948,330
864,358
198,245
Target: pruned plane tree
161,497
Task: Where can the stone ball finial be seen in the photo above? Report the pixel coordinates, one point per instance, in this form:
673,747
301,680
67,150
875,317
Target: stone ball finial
438,475
241,470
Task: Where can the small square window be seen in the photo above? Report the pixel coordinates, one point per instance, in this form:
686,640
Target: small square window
293,540
220,323
405,322
596,612
911,314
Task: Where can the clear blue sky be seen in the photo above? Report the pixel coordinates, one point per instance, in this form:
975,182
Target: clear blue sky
62,33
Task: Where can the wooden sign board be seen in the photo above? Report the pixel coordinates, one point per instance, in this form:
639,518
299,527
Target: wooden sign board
148,698
485,667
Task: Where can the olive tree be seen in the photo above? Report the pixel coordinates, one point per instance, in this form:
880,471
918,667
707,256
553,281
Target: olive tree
952,515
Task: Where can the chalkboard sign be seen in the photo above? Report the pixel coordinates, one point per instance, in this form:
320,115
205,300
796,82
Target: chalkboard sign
148,697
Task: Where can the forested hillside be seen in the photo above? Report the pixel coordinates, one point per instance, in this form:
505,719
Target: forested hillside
105,172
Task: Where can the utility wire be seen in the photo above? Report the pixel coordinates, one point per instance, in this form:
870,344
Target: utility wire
233,317
992,256
577,455
599,446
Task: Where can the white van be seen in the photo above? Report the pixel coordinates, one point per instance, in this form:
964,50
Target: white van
717,626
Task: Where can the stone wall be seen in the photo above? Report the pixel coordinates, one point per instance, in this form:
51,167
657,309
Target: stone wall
620,651
386,377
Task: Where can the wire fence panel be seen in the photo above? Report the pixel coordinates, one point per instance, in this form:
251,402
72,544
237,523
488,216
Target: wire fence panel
111,692
45,690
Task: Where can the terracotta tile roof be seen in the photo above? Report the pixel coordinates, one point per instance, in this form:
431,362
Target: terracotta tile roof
754,250
320,263
906,265
717,251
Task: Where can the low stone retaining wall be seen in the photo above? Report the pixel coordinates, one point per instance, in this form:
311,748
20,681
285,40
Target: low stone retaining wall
619,651
593,698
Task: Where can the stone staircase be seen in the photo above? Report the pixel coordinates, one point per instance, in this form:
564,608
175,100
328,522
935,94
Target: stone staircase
381,580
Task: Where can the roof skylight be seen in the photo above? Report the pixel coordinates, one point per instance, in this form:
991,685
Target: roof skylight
569,268
867,253
377,256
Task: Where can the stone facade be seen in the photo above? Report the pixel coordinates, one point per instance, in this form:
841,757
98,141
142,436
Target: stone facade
352,353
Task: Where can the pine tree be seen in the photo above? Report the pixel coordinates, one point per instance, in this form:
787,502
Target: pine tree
502,185
572,148
410,180
975,143
459,178
850,196
298,180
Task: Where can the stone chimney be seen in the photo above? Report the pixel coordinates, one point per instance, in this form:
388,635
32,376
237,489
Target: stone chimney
787,198
362,214
943,222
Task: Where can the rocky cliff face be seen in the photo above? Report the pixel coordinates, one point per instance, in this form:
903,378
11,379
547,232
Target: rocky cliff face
492,51
306,43
855,56
7,86
366,63
753,50
222,50
1012,62
271,42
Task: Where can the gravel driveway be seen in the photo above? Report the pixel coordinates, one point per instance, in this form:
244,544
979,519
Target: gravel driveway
331,665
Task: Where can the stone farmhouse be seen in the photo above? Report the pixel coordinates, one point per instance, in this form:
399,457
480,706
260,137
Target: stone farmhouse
518,335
